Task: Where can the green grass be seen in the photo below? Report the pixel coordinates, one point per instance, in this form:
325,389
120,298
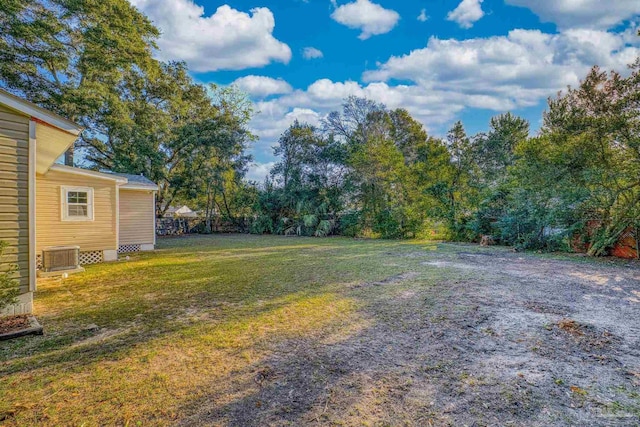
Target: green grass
174,325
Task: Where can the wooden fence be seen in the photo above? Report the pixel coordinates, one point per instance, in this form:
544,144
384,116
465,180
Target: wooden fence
179,226
176,226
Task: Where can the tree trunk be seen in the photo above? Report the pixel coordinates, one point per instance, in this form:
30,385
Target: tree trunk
208,210
226,205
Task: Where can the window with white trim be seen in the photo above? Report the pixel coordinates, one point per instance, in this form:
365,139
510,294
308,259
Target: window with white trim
77,203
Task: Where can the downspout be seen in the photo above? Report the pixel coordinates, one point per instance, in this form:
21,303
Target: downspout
153,214
32,206
117,217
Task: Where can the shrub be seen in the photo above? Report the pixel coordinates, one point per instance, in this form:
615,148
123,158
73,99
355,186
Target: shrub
9,286
387,225
350,224
262,224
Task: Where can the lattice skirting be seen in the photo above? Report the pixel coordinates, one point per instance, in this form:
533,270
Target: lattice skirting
628,234
91,257
123,249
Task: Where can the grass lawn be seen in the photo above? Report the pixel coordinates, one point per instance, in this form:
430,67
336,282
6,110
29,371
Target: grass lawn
265,330
176,323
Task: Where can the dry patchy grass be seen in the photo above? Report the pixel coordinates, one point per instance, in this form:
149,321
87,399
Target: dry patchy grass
274,331
175,325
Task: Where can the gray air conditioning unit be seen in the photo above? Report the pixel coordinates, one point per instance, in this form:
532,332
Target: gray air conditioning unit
60,258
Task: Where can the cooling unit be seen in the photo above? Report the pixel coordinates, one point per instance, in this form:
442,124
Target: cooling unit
60,258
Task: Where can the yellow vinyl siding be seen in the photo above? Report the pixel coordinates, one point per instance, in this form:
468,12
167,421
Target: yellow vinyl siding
136,217
99,234
14,192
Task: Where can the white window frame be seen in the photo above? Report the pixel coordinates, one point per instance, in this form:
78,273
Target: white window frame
64,196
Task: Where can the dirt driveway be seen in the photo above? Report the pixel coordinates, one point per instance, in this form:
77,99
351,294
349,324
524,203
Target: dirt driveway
501,338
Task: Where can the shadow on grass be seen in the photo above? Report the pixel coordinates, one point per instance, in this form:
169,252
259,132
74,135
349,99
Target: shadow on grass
252,331
143,300
190,297
394,368
176,358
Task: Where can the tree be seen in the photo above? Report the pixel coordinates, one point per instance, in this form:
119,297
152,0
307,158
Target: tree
460,191
296,149
358,174
209,167
431,174
495,154
407,133
90,61
592,156
495,150
303,183
379,166
69,56
353,124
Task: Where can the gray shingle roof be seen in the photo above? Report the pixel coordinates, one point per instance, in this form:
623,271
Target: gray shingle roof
137,180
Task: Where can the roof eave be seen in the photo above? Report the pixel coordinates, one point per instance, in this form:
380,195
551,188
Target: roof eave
39,113
85,172
139,187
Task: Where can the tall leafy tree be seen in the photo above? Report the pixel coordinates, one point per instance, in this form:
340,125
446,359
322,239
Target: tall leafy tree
495,154
495,150
150,126
379,166
305,195
590,158
90,60
363,168
461,191
215,160
69,55
296,149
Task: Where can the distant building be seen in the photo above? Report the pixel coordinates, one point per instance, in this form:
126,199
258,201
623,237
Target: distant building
181,212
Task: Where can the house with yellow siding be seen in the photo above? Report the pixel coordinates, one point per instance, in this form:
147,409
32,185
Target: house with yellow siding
44,205
137,214
103,214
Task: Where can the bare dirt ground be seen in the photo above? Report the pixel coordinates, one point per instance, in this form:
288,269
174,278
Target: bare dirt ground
497,338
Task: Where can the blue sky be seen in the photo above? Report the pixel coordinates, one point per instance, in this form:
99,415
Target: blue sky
443,60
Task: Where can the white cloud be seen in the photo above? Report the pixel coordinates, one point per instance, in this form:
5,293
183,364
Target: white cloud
506,72
467,13
312,53
598,14
227,40
259,171
423,17
446,77
364,15
275,116
261,86
310,105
